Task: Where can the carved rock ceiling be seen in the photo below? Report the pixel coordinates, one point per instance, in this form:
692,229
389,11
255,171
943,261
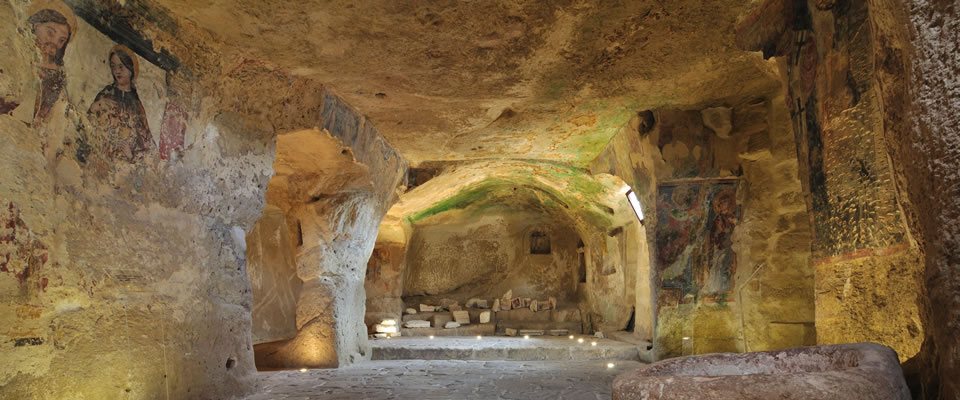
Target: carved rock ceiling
471,80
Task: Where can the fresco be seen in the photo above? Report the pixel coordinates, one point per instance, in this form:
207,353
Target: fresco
854,207
53,25
22,254
121,118
694,233
117,113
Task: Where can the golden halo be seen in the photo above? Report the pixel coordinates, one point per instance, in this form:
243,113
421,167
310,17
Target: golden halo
58,6
133,56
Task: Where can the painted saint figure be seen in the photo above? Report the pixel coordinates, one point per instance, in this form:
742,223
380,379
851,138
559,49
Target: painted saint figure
53,26
117,112
174,125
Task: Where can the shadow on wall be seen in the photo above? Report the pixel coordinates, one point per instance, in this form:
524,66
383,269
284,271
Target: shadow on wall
309,251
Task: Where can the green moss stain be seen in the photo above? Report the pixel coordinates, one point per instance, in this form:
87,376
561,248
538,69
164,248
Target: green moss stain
461,200
552,186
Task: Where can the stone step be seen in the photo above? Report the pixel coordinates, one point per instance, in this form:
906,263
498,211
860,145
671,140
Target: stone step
463,330
501,348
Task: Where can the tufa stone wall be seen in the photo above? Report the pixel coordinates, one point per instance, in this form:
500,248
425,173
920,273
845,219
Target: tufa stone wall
725,220
486,254
124,216
867,264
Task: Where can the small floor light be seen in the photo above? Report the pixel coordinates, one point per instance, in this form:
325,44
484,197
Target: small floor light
431,337
571,336
526,336
303,370
593,343
580,340
610,365
479,337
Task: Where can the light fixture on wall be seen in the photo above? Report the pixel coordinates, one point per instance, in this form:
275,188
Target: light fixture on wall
635,204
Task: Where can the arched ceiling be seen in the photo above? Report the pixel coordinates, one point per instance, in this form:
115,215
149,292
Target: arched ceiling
467,80
597,201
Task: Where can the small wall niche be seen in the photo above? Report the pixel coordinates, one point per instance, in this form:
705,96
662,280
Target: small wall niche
539,243
582,256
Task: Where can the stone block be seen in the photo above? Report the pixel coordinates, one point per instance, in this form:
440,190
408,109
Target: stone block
510,332
410,311
441,319
451,325
485,317
478,303
462,317
427,308
417,324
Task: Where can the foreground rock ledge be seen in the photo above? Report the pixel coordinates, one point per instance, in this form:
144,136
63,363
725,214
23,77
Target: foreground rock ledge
849,371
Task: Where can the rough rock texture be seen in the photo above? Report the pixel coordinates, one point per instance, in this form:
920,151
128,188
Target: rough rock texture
272,269
334,205
113,259
567,201
921,40
761,297
466,256
852,371
519,79
867,261
384,280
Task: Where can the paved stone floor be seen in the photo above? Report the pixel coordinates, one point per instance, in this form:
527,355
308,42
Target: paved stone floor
545,348
447,379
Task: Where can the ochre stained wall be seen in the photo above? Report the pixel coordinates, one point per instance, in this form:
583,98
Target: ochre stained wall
867,264
123,219
272,269
485,255
725,225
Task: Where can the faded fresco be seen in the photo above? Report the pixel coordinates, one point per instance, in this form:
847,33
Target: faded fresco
117,113
21,252
175,117
694,233
854,207
53,25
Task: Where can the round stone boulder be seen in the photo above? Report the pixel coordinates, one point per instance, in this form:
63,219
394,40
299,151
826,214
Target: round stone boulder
847,371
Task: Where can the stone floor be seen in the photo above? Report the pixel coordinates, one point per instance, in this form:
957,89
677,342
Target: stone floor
447,379
544,348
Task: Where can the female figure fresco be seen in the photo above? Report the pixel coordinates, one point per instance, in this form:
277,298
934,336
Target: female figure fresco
53,26
117,112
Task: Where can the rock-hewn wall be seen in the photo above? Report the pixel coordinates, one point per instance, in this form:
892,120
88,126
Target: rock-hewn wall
725,225
867,264
123,220
333,205
486,254
125,211
919,39
272,269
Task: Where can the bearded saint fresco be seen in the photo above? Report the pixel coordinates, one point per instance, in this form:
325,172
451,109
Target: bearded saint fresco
117,113
53,26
